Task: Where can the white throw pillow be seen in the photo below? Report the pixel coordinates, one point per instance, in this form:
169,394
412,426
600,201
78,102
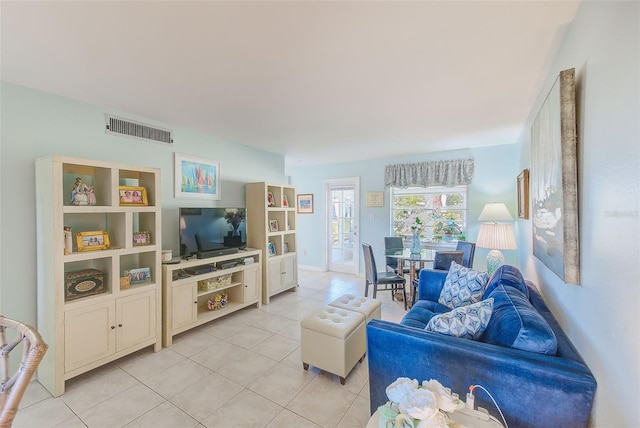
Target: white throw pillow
462,286
467,322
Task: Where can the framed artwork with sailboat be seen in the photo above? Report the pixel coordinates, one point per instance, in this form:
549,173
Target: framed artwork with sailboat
196,177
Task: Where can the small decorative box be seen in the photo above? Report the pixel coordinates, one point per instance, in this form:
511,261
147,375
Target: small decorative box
82,283
214,283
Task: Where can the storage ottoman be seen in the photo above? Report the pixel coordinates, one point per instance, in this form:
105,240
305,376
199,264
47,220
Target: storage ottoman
333,340
370,308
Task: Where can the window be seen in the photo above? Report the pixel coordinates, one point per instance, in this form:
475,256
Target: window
442,212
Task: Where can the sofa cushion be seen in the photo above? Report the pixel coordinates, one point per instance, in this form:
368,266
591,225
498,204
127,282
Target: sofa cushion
467,321
462,286
419,315
516,324
506,275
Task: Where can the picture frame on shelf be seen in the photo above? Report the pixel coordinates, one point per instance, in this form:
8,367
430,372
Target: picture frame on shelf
273,225
271,249
285,248
141,238
196,177
133,195
139,275
92,240
523,194
271,200
304,203
285,201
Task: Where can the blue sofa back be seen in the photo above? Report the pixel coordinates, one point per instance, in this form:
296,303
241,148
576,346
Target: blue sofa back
533,389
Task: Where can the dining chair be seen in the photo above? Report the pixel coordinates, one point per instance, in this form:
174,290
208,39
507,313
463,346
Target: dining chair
394,245
381,281
442,259
469,249
12,387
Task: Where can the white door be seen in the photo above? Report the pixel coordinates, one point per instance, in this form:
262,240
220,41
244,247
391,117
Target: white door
342,196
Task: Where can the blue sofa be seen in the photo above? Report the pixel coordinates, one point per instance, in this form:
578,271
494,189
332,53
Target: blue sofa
523,357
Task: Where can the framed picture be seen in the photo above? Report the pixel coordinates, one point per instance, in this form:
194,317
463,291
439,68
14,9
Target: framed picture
285,248
133,195
139,275
93,240
554,181
271,201
273,225
141,238
271,249
375,199
196,177
285,201
523,194
305,203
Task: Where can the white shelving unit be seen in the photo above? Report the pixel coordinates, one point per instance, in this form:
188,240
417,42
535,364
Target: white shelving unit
88,331
273,227
185,303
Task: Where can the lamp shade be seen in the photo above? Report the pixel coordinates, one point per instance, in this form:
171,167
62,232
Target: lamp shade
496,236
495,212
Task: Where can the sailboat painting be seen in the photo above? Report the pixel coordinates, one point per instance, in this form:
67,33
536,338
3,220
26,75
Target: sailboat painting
196,177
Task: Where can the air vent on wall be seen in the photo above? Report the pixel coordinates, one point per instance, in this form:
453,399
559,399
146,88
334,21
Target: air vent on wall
119,126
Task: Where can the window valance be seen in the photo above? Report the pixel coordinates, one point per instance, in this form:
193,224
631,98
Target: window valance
424,174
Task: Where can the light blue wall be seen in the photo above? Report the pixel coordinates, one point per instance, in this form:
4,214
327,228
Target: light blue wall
496,170
601,315
36,124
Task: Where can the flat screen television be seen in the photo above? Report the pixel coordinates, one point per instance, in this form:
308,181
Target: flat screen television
207,229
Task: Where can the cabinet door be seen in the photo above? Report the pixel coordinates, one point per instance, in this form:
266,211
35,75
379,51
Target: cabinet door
185,305
289,271
274,281
252,282
135,319
89,335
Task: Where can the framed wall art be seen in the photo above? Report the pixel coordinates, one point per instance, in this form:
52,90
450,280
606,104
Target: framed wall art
133,195
523,194
92,240
554,183
196,177
304,203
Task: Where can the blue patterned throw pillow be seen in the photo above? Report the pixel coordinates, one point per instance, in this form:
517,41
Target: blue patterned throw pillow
467,322
462,286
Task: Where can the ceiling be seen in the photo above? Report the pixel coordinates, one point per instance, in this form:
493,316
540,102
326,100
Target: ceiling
315,82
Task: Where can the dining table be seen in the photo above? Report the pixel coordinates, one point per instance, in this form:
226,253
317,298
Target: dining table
415,260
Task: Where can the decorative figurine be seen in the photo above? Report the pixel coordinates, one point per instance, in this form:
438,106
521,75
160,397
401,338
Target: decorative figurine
81,194
68,249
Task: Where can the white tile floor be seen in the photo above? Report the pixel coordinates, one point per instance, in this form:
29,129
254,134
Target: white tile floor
243,370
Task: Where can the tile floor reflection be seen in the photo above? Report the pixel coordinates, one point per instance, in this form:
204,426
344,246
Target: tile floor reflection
243,370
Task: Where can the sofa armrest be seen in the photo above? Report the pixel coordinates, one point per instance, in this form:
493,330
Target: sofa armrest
430,284
531,389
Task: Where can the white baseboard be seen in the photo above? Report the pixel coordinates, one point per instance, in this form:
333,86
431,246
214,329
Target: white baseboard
313,268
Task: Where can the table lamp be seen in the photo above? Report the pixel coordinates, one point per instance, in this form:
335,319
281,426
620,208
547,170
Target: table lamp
496,236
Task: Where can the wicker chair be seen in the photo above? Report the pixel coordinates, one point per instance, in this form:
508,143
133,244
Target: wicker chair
12,388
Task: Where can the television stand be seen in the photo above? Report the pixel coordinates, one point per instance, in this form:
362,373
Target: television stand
185,302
